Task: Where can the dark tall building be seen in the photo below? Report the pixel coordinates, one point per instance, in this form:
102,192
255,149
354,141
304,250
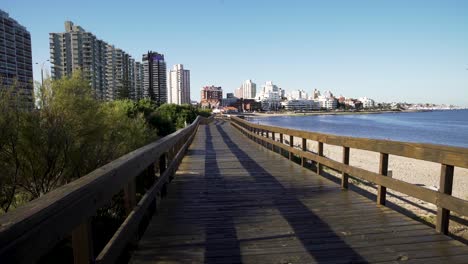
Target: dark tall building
154,77
15,58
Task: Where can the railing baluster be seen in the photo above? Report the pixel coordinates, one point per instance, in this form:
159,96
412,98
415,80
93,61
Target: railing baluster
291,144
344,176
82,243
320,153
273,137
383,170
304,148
129,196
281,141
446,184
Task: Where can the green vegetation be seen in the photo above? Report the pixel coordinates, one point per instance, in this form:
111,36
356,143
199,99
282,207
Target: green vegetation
71,133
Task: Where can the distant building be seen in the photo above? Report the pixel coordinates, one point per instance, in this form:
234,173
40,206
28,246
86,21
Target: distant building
301,105
230,100
77,49
270,97
179,82
298,95
327,101
238,92
249,90
137,92
315,94
211,96
367,102
15,58
154,77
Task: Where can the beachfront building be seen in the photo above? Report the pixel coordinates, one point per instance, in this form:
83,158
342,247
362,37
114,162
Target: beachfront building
327,100
298,95
15,59
301,105
270,97
211,96
367,102
179,82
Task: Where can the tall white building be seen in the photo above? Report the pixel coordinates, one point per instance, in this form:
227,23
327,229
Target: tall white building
249,89
270,96
179,85
327,100
298,95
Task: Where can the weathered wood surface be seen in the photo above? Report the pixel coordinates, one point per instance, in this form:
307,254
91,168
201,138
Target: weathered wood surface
233,201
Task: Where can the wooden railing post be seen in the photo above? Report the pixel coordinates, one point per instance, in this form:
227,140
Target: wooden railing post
82,243
129,196
304,148
320,153
291,144
273,137
281,141
344,176
383,170
446,183
162,169
267,136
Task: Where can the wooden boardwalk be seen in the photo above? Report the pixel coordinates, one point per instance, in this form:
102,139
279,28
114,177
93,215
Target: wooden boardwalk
233,201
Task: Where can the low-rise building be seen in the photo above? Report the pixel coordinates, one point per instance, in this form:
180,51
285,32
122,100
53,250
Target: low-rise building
211,96
301,105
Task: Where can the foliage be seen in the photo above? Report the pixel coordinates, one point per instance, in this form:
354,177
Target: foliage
71,133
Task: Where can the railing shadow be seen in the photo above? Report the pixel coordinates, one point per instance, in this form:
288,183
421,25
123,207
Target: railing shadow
221,242
311,235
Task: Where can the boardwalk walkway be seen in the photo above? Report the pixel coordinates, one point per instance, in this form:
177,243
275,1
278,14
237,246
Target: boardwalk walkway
233,201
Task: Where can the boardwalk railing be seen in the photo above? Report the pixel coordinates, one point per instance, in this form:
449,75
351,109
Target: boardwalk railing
448,157
33,230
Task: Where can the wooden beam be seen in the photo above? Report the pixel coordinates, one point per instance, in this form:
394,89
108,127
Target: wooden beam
446,184
383,170
291,144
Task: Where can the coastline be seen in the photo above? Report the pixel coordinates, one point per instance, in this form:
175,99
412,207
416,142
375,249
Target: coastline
258,114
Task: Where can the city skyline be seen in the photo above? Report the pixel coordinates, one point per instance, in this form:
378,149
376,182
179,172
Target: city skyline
388,51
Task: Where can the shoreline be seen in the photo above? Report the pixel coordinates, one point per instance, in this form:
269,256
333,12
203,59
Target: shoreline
329,113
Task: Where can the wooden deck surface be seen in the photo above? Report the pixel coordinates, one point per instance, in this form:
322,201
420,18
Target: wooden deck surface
233,201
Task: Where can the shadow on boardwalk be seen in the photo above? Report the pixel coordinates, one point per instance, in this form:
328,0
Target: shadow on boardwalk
314,236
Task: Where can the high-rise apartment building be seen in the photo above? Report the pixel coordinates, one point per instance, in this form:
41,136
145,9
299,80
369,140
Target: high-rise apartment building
137,92
77,49
15,58
211,96
179,82
110,70
154,77
249,89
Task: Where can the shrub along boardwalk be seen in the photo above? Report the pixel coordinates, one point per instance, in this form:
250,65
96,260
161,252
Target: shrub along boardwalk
233,201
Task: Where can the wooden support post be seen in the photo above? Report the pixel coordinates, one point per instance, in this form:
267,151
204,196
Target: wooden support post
162,164
267,136
383,170
129,196
304,148
273,137
320,153
82,243
291,144
446,184
281,141
344,176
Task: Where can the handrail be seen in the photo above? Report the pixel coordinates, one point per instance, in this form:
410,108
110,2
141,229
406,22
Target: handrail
447,156
32,230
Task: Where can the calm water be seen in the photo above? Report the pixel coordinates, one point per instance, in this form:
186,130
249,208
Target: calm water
437,127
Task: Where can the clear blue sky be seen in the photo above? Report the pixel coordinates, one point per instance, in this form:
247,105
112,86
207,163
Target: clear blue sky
389,50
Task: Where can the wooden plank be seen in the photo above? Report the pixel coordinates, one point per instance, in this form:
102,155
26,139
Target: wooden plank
454,156
445,187
383,170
